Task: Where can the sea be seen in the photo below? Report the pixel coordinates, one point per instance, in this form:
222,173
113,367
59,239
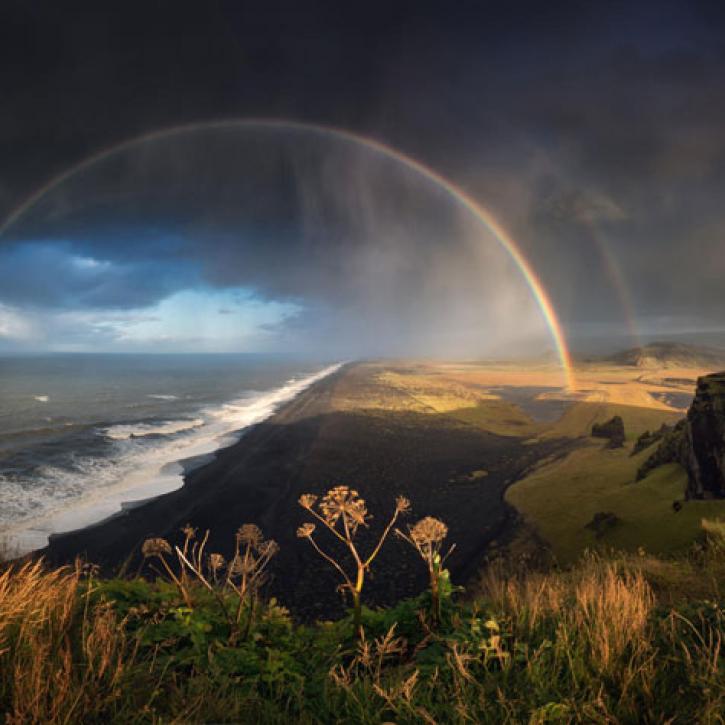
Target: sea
83,436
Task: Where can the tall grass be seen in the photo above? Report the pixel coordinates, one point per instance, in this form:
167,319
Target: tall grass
61,660
590,644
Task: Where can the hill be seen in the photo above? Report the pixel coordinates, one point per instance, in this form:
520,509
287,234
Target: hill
670,355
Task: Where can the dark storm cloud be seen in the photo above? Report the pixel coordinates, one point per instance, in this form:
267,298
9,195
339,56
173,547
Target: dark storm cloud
55,275
596,132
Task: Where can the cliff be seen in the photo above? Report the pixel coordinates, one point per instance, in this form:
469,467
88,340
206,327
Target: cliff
698,442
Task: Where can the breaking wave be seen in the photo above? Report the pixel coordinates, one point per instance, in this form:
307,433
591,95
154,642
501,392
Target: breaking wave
139,461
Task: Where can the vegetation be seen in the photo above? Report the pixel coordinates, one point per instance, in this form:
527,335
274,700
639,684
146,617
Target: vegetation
594,643
342,512
560,498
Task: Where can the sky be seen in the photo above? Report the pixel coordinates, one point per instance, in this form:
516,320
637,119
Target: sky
594,133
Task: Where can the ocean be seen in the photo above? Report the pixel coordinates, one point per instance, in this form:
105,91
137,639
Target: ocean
84,435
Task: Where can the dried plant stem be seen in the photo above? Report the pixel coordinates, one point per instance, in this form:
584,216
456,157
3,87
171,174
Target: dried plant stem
342,504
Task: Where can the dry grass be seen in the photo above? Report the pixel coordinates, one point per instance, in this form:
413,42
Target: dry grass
605,608
62,660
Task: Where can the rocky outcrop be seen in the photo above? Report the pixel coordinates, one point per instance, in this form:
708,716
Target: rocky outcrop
647,439
602,522
613,430
698,442
673,448
706,437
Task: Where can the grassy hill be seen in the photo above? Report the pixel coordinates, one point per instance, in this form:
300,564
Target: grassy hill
561,497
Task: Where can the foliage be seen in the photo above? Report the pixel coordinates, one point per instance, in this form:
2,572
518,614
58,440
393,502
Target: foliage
588,644
245,572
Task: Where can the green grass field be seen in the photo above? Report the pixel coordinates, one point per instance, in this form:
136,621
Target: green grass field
560,499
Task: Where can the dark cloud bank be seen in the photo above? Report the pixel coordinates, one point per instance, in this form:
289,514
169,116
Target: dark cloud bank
594,132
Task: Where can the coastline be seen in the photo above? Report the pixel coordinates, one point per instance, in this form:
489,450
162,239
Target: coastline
157,471
102,542
310,444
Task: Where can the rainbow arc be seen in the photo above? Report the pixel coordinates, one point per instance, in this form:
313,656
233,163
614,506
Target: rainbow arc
461,197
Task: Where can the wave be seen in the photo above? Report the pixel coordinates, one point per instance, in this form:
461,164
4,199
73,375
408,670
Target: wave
145,460
41,398
139,430
159,396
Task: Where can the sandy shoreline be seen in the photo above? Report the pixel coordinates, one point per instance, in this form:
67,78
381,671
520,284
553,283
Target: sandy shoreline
309,445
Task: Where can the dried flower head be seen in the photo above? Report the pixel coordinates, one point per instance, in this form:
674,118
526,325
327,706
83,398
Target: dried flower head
428,531
189,531
268,548
249,534
307,500
402,504
344,501
305,531
216,562
155,547
242,565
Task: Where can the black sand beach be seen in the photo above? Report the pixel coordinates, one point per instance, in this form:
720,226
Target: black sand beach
310,445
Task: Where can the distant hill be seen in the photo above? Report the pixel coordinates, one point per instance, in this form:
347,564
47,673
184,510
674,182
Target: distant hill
670,355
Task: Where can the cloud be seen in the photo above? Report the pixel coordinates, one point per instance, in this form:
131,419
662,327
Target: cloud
596,150
54,273
14,325
334,247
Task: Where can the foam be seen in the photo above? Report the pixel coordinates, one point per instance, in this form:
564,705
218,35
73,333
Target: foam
140,467
139,430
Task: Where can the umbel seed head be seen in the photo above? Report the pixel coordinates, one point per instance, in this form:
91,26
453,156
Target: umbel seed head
340,501
428,531
307,500
305,531
155,547
249,534
216,562
402,505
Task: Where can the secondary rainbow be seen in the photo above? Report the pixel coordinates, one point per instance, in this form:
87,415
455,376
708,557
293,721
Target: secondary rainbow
458,194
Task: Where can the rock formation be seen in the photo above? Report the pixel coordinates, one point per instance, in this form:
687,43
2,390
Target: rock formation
698,442
613,430
706,437
602,522
647,439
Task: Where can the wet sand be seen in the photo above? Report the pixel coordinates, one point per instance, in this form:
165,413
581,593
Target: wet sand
310,445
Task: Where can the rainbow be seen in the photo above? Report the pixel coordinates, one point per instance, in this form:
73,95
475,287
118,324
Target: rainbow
616,278
458,194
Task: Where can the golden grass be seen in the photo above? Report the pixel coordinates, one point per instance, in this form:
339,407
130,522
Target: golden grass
606,608
467,392
62,659
589,644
